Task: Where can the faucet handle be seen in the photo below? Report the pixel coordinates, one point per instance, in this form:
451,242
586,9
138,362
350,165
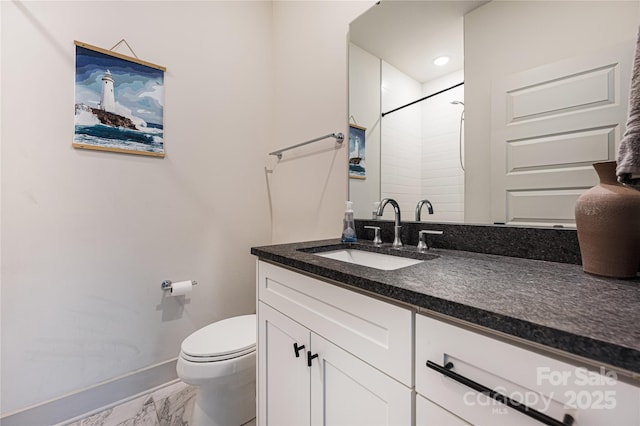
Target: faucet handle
423,244
376,235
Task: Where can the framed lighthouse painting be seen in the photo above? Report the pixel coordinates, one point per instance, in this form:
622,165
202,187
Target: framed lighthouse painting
119,103
356,152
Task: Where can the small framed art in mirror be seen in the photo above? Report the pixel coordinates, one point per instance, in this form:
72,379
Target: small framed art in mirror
357,164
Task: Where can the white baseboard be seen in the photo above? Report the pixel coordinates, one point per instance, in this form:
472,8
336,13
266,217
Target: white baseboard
94,398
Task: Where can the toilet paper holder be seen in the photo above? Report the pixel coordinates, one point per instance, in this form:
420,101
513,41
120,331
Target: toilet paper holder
167,284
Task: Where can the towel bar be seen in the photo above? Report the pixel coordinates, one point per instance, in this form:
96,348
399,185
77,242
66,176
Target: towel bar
339,137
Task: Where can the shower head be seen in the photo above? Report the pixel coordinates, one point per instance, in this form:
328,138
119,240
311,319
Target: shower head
457,103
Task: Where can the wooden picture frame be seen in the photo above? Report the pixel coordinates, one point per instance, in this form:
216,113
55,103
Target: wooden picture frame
119,103
357,149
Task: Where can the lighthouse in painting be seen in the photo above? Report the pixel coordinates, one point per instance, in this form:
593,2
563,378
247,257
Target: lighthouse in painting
107,99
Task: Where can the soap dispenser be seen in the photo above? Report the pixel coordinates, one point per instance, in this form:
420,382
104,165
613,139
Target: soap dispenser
349,225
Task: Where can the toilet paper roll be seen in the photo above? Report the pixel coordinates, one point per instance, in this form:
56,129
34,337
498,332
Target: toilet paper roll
181,288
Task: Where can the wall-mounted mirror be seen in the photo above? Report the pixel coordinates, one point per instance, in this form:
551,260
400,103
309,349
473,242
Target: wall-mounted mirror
513,144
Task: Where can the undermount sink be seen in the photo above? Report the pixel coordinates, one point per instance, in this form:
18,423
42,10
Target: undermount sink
382,261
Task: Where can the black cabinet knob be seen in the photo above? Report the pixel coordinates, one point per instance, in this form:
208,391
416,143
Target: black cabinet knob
310,358
297,349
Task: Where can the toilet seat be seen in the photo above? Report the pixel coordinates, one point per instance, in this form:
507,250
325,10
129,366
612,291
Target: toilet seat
222,340
195,358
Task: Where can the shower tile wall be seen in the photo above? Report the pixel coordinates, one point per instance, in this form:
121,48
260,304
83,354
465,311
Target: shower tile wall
421,145
442,174
402,148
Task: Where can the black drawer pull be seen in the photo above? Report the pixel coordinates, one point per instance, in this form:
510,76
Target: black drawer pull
310,358
531,412
297,349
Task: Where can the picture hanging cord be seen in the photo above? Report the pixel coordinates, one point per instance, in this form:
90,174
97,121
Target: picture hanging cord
352,118
125,42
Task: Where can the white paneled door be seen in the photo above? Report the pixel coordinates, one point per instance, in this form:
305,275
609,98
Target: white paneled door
549,124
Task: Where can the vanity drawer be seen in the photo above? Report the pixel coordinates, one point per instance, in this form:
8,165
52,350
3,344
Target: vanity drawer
428,413
547,385
377,332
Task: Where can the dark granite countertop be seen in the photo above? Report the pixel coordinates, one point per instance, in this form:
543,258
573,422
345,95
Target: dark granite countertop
553,304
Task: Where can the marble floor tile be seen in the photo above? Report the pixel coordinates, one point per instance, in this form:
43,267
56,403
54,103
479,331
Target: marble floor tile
98,419
147,416
177,408
138,412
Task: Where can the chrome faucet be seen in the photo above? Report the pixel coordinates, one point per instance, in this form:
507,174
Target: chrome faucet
419,208
396,209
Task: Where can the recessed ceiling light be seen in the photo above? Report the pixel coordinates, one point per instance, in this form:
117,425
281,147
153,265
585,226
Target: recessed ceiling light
441,60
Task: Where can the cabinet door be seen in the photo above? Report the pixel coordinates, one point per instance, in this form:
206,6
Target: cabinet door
283,378
347,391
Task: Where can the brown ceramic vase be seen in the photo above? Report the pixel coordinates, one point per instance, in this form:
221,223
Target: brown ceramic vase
608,224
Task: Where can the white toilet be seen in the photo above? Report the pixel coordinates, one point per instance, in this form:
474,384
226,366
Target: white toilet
221,360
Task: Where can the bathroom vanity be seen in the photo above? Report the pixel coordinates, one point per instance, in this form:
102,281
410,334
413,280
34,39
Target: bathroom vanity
459,338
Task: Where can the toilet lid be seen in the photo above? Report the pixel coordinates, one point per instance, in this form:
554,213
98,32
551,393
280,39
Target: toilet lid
230,336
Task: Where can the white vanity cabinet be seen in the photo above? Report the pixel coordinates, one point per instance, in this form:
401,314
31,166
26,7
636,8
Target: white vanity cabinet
545,387
364,361
354,363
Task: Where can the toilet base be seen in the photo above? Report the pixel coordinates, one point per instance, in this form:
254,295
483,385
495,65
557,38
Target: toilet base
224,405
